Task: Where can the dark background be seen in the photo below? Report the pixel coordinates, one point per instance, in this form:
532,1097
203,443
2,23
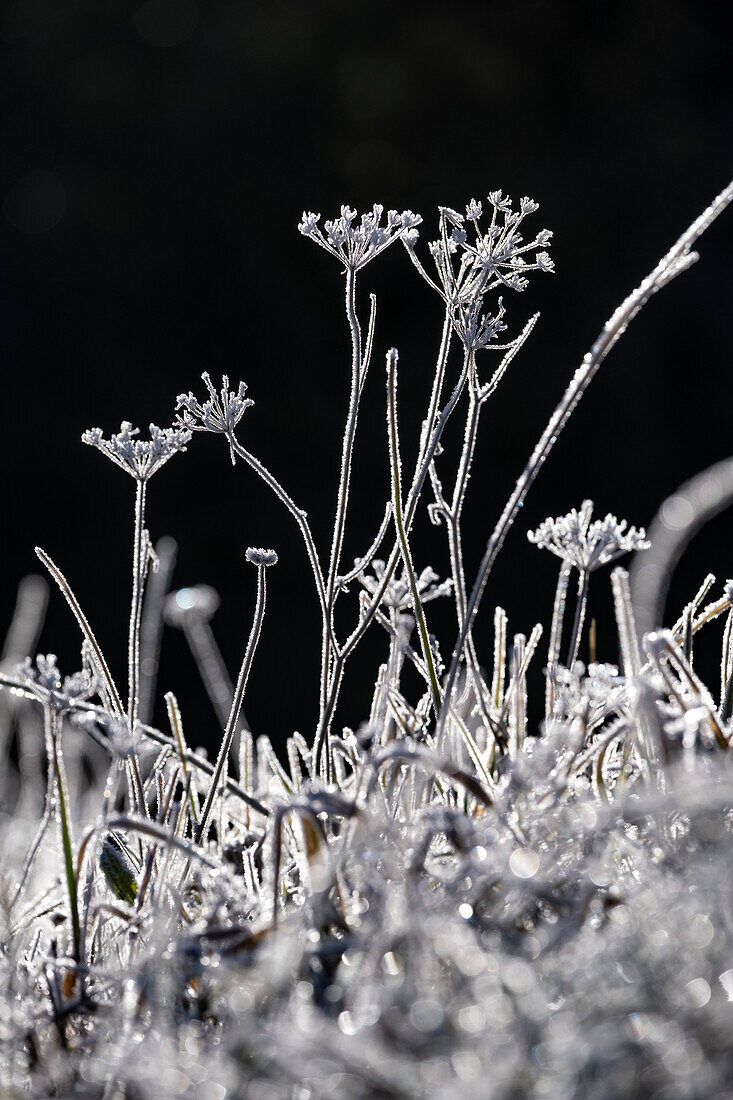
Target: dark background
155,162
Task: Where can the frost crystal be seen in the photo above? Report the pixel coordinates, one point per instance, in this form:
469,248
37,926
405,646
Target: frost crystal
140,458
221,413
44,680
356,243
588,545
469,266
397,595
258,556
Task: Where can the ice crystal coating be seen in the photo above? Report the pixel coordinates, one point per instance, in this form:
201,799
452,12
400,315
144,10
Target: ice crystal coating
470,265
221,413
354,242
259,556
43,678
454,900
397,594
140,458
588,545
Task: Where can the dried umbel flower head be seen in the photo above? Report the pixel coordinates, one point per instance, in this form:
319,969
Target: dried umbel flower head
486,260
221,413
44,680
356,243
140,458
258,556
588,545
397,594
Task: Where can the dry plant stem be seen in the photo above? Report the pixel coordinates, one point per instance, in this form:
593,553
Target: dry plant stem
396,471
477,397
678,259
300,518
421,473
580,606
452,516
174,717
347,452
139,559
103,670
52,742
134,778
553,650
218,779
152,624
48,812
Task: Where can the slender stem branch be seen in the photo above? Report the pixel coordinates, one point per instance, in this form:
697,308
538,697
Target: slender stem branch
553,650
102,667
421,473
218,779
52,737
395,467
139,556
580,605
346,460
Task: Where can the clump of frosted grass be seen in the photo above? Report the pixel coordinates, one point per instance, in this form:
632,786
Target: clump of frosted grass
443,900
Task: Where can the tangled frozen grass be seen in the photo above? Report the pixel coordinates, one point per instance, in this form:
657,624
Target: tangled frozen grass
444,902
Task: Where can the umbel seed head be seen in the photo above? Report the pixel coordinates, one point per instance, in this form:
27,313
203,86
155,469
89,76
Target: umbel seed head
258,556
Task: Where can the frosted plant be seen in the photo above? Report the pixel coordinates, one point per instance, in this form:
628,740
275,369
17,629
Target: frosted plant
584,546
448,899
141,458
397,594
356,242
221,413
588,545
470,262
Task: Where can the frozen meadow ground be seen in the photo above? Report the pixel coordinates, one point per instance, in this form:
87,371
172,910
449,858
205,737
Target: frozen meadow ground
442,900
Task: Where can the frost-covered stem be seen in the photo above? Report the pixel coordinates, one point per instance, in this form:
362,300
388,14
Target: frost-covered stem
438,379
174,718
678,259
725,668
519,694
396,471
54,748
580,606
365,619
345,476
624,611
139,561
49,807
218,779
553,649
115,701
152,624
139,555
300,518
453,525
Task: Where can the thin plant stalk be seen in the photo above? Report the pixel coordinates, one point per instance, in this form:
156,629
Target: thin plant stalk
53,746
347,452
139,563
396,471
218,779
553,649
577,629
